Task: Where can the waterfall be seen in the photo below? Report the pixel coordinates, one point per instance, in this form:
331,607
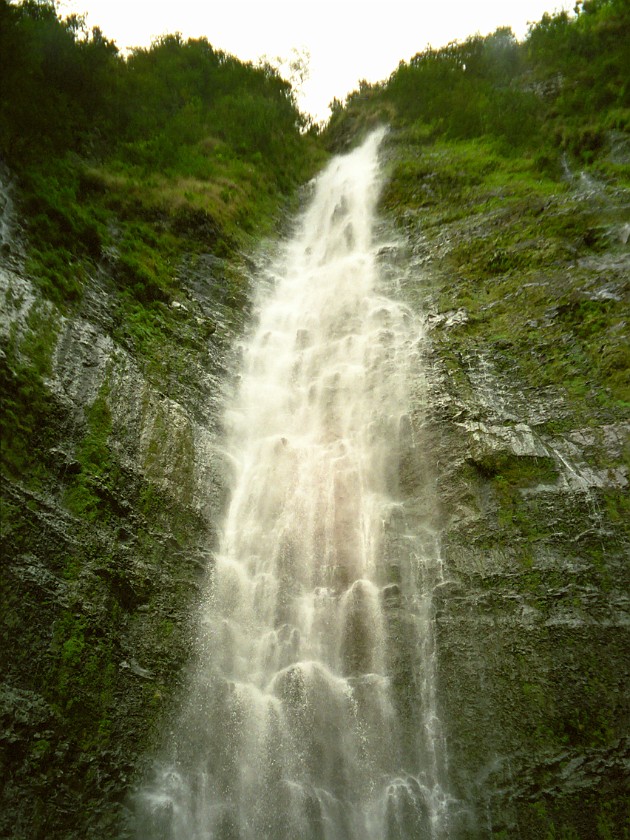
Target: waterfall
312,712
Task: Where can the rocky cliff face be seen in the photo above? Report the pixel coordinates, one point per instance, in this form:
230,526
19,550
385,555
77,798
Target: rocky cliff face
525,291
111,494
115,481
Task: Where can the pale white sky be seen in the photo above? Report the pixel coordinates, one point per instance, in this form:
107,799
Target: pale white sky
348,40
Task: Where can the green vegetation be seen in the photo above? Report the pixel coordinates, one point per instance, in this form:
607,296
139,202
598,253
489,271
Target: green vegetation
520,245
486,136
130,173
176,148
564,88
82,677
26,403
96,472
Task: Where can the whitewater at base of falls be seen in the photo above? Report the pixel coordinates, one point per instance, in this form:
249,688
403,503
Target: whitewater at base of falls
312,713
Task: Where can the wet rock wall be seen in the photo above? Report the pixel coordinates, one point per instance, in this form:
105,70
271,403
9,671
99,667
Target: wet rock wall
527,431
112,483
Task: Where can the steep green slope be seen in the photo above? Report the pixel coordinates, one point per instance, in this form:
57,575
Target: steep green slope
510,183
133,190
524,282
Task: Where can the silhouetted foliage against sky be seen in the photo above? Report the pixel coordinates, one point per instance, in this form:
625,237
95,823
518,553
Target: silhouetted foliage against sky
65,87
567,82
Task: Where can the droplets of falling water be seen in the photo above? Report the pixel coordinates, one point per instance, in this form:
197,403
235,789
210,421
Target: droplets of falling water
297,722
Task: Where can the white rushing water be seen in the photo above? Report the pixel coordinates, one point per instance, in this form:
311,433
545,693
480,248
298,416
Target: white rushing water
312,713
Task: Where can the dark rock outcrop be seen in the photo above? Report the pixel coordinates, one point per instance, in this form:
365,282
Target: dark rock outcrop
112,486
528,449
517,456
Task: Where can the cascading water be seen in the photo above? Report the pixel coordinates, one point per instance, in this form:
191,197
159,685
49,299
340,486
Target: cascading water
312,712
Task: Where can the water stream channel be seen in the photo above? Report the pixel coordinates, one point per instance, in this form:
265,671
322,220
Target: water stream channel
312,713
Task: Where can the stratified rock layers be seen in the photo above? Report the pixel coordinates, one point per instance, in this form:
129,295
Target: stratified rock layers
110,513
112,490
529,451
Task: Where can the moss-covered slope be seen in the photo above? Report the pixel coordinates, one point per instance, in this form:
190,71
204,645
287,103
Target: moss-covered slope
126,209
509,183
130,191
523,279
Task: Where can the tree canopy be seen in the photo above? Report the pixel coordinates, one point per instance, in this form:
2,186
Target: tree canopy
67,87
567,83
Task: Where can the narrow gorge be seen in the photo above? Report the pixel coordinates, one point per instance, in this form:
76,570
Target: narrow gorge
315,443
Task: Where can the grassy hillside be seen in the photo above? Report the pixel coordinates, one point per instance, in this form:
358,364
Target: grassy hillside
560,90
126,164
